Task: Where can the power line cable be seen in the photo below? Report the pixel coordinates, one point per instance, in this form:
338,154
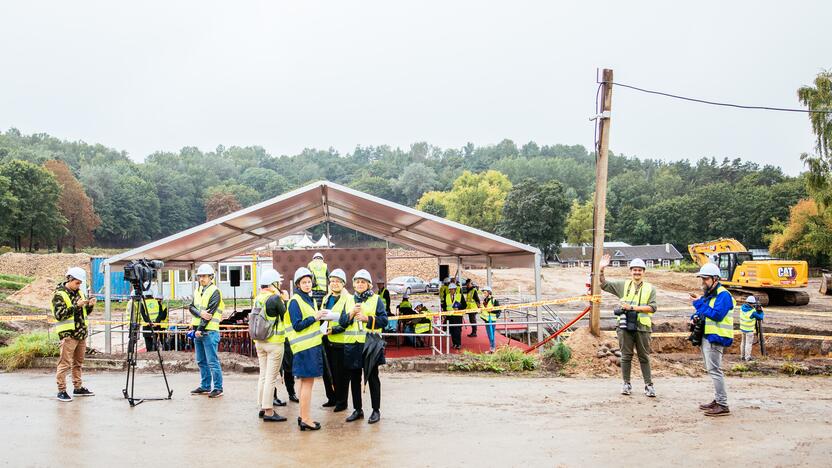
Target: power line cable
724,104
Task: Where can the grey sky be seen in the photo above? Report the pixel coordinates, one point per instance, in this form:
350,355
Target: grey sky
289,75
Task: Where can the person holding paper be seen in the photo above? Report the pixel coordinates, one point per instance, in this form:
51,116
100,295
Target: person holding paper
336,301
305,339
366,316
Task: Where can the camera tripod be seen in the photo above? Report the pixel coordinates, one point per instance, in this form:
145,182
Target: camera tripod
139,306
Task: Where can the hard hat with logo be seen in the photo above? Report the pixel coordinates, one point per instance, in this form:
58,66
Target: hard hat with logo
362,274
637,263
271,276
77,273
339,273
302,272
205,269
708,269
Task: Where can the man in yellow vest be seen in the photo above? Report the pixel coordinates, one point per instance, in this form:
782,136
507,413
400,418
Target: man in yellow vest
206,310
716,307
157,312
638,304
320,275
472,301
70,308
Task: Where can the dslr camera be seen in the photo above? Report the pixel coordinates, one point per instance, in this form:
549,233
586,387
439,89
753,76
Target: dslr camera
630,322
697,331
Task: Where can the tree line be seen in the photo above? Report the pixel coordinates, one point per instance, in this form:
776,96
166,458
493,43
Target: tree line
56,194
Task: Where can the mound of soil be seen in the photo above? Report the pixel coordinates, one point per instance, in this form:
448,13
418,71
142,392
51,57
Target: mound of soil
38,293
37,265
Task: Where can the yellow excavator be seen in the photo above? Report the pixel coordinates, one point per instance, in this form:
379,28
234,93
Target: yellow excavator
770,281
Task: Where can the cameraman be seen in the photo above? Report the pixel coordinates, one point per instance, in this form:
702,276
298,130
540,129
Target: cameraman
207,309
157,312
640,297
716,308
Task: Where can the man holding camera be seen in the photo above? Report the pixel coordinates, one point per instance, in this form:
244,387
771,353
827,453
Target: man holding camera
70,307
716,309
638,304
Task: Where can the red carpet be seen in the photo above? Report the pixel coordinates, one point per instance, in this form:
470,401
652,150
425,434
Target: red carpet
476,344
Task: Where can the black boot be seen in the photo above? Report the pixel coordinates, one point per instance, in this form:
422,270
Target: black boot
294,398
355,416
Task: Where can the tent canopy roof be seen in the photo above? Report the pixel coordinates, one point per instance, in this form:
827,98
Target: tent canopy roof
324,201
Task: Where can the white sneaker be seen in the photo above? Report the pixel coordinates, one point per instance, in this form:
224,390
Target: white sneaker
626,389
649,391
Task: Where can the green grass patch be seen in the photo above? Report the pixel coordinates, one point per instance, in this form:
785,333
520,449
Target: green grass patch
25,348
505,359
14,282
685,267
560,353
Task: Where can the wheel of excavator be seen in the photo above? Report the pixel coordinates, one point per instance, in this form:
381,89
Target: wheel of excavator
795,298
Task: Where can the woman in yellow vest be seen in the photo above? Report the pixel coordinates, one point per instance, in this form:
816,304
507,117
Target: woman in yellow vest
305,342
270,350
368,315
337,300
206,310
490,317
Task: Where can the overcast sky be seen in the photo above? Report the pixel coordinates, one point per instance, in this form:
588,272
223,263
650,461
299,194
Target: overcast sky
289,75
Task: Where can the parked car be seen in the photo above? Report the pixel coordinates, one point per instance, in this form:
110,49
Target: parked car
433,285
407,285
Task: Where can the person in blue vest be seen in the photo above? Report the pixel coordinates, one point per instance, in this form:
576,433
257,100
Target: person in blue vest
206,309
305,340
716,307
367,315
750,312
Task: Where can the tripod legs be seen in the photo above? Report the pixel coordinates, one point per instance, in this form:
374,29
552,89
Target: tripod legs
132,344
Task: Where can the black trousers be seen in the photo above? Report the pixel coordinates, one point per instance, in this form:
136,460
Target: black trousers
288,377
472,319
455,331
335,356
329,384
150,339
355,388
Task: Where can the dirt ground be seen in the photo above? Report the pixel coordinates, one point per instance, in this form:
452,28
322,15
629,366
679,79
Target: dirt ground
427,420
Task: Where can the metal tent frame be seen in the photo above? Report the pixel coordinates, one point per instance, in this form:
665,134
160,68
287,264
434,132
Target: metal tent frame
222,238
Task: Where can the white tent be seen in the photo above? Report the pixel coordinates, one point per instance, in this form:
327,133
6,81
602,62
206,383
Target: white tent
324,242
305,243
319,202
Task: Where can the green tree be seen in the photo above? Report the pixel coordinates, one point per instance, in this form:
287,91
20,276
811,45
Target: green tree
434,203
579,223
477,200
75,206
8,206
219,202
416,179
535,214
37,218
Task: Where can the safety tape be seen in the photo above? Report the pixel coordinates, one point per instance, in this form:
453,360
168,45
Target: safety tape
736,333
767,310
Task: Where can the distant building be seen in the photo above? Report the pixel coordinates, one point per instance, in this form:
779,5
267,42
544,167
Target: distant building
653,255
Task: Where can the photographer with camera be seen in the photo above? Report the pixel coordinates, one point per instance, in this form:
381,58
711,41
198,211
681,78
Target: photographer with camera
638,304
70,307
207,309
750,313
157,312
714,309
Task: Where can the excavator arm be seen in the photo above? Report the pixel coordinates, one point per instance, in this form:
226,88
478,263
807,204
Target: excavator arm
701,253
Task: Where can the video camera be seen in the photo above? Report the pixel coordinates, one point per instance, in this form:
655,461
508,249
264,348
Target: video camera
140,273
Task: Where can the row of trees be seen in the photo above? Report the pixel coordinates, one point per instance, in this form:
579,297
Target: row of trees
55,193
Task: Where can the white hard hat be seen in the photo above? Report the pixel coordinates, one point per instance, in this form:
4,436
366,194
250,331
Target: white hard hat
271,276
708,269
318,255
486,288
339,273
77,273
362,274
446,280
452,286
205,269
301,272
751,300
637,263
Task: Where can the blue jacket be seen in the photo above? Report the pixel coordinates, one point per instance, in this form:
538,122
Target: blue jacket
724,303
757,314
296,316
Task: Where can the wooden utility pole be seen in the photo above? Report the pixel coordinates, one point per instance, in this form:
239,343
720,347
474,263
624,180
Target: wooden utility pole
600,197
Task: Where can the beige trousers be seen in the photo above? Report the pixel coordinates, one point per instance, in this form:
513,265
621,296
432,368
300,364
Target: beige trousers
72,357
270,356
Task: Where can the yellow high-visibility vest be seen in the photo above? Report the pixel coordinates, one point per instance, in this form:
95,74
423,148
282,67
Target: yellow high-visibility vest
202,296
310,336
725,327
345,303
638,297
69,324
